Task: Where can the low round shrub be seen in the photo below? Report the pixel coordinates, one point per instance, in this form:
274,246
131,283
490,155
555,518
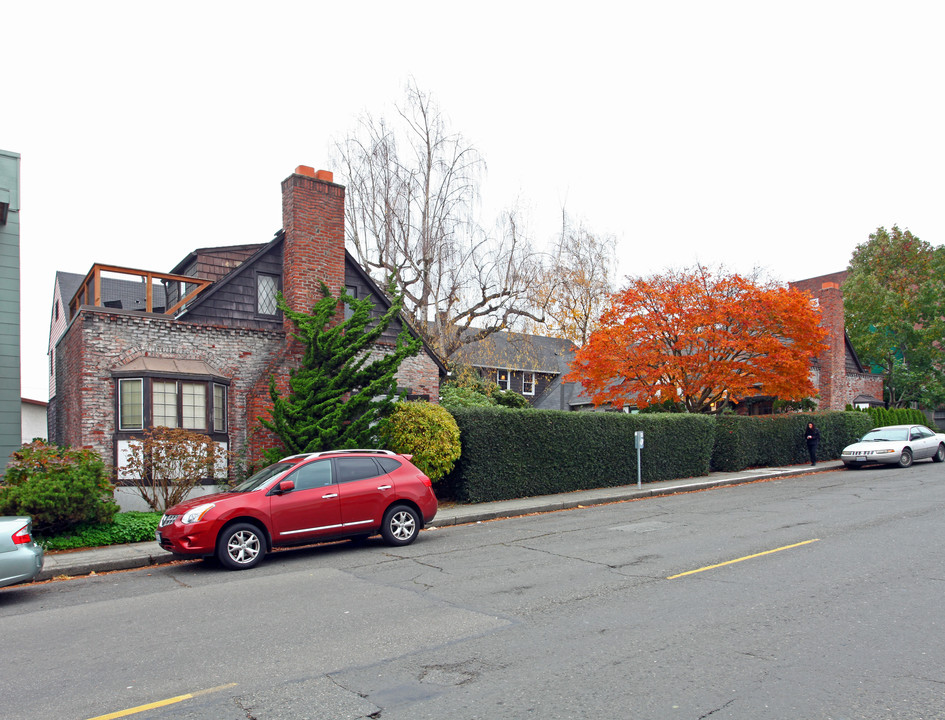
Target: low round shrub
59,487
426,431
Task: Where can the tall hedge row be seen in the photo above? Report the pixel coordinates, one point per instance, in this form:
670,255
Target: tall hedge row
520,453
775,440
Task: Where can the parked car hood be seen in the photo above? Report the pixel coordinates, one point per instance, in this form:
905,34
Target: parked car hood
182,507
875,445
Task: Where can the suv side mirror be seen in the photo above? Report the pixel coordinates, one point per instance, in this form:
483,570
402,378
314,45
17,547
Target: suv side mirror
285,486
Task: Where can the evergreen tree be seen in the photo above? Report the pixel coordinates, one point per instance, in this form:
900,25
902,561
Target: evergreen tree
342,393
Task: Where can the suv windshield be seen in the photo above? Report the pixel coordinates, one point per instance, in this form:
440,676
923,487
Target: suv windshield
257,480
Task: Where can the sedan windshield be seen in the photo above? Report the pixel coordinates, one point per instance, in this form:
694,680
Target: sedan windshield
257,480
887,435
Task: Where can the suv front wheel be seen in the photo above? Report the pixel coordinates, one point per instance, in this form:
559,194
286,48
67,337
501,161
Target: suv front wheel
241,547
401,525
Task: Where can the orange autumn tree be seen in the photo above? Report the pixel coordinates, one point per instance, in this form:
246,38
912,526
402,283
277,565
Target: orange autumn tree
700,337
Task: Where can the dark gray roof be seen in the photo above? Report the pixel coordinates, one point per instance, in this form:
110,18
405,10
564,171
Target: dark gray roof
519,351
867,400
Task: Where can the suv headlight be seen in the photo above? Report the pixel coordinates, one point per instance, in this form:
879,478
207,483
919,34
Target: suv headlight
196,514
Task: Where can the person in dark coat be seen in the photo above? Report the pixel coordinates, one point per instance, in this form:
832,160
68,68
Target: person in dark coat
812,437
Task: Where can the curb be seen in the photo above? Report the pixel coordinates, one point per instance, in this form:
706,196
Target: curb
138,555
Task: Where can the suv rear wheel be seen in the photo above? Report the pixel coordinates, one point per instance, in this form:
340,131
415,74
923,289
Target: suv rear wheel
401,525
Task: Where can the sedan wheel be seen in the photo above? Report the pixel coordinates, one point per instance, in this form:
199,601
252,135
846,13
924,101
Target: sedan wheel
905,460
401,525
241,547
939,455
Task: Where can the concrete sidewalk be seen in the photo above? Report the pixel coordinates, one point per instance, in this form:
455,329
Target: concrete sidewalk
137,555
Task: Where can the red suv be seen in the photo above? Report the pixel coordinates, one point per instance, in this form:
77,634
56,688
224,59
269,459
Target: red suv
304,499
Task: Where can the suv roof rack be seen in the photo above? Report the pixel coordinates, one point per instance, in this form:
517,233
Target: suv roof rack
374,451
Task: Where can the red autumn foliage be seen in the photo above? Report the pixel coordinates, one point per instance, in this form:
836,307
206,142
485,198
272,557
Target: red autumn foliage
699,338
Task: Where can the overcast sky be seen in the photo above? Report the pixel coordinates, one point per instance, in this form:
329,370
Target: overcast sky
751,134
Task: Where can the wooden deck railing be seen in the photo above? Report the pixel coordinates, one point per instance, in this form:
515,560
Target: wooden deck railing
90,292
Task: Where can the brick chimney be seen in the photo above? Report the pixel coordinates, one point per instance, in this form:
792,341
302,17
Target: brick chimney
313,217
833,358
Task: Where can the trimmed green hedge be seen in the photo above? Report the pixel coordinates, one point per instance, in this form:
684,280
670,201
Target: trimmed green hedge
776,440
521,453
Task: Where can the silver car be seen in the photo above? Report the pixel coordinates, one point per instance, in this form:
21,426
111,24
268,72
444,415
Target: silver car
895,445
21,559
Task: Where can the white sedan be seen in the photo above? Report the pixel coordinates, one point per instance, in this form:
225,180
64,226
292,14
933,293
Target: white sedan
895,445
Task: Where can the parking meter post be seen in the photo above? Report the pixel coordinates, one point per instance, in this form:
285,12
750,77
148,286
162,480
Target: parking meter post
638,443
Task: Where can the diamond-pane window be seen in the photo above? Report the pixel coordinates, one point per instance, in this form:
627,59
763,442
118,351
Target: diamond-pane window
266,288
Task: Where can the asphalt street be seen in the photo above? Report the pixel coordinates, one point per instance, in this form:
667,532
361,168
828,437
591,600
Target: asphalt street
806,596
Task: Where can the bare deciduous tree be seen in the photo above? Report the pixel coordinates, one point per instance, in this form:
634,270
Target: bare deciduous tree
412,213
576,287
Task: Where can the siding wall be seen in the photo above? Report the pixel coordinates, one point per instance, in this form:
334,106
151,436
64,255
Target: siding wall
9,307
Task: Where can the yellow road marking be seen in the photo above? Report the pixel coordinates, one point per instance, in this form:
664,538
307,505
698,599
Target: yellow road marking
747,557
161,703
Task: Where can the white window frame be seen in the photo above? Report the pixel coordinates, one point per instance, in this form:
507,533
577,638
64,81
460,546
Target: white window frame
526,374
503,384
260,279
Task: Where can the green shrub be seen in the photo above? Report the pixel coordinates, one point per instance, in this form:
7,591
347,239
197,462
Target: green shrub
59,487
521,453
126,527
454,396
510,399
427,432
468,388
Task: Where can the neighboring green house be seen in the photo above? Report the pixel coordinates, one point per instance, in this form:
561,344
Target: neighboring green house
9,305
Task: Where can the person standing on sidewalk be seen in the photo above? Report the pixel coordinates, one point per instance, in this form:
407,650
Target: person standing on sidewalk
812,437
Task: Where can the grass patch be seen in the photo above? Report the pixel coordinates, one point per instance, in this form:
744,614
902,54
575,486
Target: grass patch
128,527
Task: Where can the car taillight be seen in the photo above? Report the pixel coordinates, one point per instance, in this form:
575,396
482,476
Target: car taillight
426,481
22,536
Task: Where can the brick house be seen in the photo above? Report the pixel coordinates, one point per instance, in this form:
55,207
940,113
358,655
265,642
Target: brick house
837,372
196,347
